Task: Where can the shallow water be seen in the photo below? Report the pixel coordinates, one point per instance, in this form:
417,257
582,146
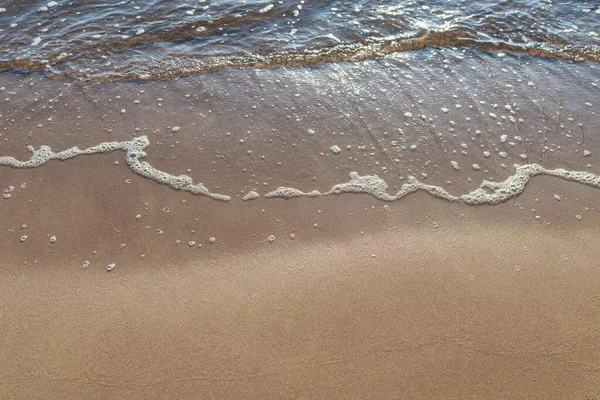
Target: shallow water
100,40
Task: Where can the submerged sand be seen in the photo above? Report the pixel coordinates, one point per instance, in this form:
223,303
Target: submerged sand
353,297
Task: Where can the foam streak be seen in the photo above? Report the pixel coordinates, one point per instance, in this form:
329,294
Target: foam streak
487,193
134,152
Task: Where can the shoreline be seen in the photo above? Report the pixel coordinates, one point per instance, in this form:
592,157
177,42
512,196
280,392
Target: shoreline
417,298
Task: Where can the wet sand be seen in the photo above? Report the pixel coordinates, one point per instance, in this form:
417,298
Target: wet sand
418,298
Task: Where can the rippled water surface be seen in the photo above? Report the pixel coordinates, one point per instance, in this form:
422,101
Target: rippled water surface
99,40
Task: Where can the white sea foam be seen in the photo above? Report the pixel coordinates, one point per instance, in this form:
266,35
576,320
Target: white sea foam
134,152
368,184
487,193
266,9
251,195
498,192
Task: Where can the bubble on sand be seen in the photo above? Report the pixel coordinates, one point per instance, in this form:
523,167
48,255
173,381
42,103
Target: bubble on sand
52,239
251,196
111,266
212,240
292,236
23,238
191,243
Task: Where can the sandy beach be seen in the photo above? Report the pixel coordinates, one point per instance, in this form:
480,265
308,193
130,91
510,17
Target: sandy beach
353,297
475,308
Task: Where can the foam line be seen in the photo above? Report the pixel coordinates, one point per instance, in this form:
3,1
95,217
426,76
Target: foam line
134,152
487,193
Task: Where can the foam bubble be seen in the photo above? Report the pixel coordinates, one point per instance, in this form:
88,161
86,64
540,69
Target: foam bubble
487,193
498,192
266,9
251,196
288,193
134,152
368,184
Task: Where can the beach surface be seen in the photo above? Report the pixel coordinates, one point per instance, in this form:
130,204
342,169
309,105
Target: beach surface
341,295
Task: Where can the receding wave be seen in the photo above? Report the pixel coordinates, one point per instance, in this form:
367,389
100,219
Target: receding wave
157,40
187,64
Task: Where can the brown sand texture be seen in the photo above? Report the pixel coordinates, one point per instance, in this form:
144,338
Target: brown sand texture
354,297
